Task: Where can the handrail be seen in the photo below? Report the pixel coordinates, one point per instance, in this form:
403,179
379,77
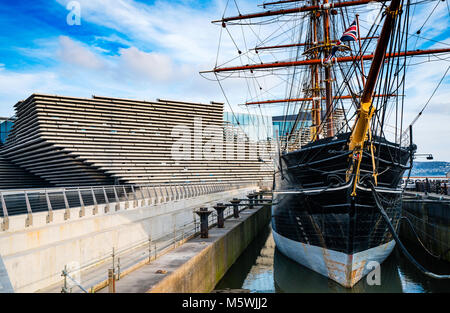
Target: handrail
29,201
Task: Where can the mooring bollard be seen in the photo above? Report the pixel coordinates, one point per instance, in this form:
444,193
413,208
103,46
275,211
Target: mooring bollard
219,207
203,213
235,202
250,197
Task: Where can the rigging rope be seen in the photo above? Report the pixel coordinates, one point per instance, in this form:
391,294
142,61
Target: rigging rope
426,104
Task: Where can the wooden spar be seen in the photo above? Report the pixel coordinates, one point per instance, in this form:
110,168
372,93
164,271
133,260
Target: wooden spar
300,44
366,109
280,2
319,61
308,99
296,10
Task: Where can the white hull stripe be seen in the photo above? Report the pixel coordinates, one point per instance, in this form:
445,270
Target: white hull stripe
345,269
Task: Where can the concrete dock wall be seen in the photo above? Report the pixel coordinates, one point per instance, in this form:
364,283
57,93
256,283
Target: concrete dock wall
202,272
35,256
431,220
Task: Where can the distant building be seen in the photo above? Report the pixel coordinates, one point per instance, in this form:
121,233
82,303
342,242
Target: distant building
284,124
256,127
5,127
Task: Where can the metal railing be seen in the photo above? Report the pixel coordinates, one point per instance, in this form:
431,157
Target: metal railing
29,201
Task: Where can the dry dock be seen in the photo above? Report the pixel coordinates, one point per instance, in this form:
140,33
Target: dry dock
199,264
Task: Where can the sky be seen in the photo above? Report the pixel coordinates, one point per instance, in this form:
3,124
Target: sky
155,49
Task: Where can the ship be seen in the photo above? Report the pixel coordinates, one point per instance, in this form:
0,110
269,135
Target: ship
348,147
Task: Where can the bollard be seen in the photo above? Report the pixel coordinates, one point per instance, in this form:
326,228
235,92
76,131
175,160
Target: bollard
111,281
219,207
203,213
250,197
261,195
235,202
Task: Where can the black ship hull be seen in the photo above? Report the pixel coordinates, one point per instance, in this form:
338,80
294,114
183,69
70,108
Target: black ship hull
318,223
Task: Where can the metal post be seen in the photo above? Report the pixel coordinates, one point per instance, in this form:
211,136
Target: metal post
82,211
118,268
49,218
135,202
66,203
94,199
106,200
113,259
203,213
29,219
250,197
220,218
149,202
235,202
5,222
117,199
64,274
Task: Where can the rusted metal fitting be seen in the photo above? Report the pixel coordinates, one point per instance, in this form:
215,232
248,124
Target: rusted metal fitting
203,213
235,203
220,207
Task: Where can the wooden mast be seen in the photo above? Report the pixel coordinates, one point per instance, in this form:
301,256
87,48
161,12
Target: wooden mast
328,80
316,105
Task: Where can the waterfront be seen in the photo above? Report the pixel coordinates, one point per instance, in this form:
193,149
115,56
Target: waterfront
263,269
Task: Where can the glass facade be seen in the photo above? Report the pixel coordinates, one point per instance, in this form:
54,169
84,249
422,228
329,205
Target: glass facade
284,124
256,127
5,128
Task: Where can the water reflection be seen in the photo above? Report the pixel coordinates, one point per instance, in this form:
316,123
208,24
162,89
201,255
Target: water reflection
262,268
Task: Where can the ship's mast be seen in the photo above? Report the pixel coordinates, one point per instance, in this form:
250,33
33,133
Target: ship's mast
321,44
316,105
328,79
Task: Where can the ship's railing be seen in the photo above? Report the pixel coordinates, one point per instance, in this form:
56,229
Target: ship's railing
439,186
110,198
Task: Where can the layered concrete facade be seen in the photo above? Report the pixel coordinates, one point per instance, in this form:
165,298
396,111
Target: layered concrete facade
68,141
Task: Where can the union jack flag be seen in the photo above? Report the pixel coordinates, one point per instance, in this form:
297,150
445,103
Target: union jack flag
350,34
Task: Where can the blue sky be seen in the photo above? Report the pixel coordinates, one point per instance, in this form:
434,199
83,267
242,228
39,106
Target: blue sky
155,49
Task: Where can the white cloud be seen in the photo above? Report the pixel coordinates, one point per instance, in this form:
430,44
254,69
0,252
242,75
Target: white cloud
74,53
154,66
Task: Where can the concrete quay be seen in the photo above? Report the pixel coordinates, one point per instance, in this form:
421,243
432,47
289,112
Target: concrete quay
34,257
199,264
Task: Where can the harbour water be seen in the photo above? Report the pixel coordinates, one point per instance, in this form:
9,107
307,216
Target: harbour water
263,269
